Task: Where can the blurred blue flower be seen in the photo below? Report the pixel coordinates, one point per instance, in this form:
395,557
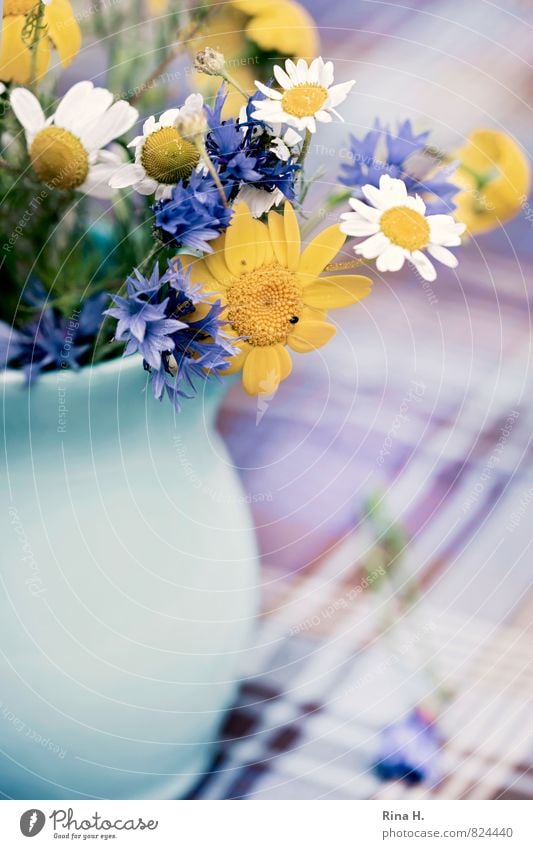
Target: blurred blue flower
381,151
410,750
51,341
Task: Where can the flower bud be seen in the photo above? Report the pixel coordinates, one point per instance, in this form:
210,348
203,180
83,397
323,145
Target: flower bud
191,121
209,61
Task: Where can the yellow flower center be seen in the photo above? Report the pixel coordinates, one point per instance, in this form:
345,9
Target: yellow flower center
168,158
304,100
18,7
59,158
264,304
405,227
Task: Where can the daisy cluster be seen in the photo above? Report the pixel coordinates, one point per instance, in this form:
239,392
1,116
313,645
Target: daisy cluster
223,193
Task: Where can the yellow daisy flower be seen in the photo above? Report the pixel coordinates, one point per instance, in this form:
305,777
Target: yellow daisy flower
282,26
62,32
273,293
495,175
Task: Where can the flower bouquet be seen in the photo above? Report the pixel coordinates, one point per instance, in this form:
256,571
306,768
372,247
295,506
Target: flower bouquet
171,250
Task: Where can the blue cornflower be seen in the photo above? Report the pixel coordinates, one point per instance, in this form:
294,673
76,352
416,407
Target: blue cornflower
409,750
194,215
242,152
179,343
381,151
51,340
133,316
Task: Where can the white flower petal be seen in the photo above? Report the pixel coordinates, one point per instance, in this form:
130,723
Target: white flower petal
301,70
148,127
338,93
391,259
354,225
147,186
259,201
375,196
27,110
423,265
127,175
282,77
97,183
327,74
394,191
116,121
291,137
71,105
168,117
290,68
269,92
443,230
416,203
443,255
372,247
370,213
164,191
313,72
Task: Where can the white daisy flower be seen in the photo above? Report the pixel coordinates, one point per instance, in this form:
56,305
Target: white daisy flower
399,229
162,156
66,149
308,95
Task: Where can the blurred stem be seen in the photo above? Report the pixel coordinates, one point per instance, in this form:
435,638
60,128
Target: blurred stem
183,36
329,204
34,28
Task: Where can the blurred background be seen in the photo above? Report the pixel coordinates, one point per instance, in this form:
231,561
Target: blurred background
403,449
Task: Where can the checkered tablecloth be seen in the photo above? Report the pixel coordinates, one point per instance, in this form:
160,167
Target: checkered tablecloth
424,397
434,413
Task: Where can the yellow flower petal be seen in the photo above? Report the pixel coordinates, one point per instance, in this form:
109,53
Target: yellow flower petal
332,292
292,236
264,368
310,335
282,25
200,274
240,251
261,241
216,263
15,58
320,252
63,29
237,362
276,229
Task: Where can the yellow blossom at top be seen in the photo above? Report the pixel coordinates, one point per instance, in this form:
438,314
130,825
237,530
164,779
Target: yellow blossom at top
282,26
62,32
495,176
273,294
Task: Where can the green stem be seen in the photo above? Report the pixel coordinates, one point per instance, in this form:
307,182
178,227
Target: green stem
200,145
38,27
305,147
232,81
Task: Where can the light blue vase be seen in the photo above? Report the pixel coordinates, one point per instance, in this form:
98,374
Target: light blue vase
129,579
